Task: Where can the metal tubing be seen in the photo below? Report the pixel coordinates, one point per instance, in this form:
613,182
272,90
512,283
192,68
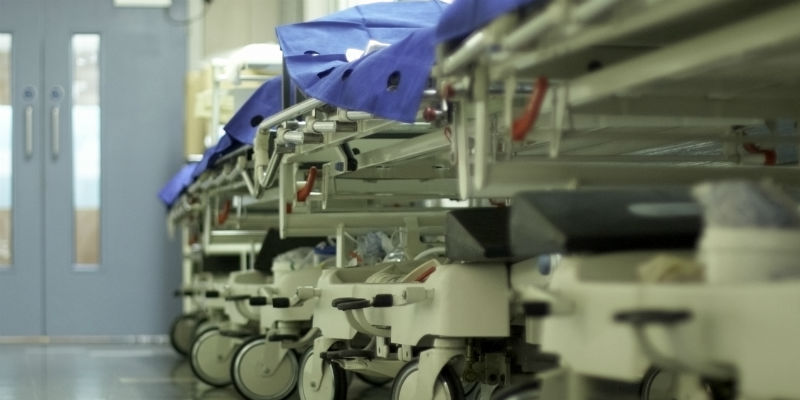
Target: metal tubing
289,113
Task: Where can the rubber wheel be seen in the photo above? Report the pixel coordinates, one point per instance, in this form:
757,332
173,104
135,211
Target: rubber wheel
211,359
332,386
377,381
204,325
447,386
658,384
249,377
181,333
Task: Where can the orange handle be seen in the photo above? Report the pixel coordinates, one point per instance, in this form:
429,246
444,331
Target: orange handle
223,214
303,193
524,123
770,156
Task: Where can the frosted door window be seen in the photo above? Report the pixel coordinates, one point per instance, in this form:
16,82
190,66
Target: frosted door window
86,147
5,150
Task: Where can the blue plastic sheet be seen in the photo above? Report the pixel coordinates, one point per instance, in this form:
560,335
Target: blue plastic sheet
465,16
389,82
173,189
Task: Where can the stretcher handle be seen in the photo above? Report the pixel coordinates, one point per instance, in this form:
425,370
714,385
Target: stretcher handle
770,156
528,118
303,193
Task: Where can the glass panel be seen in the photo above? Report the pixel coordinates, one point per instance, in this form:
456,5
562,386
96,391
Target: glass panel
86,147
5,149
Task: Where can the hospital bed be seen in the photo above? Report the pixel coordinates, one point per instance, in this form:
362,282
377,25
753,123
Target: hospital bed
528,96
632,93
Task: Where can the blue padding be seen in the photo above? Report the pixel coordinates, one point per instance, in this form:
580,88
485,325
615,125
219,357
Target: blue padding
241,129
173,189
314,53
263,103
465,16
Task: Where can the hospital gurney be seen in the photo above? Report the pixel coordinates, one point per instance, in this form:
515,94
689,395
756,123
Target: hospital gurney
612,84
333,166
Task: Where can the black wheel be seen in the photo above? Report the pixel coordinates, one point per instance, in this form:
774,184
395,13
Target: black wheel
447,386
211,357
658,384
528,390
181,333
377,381
332,386
251,379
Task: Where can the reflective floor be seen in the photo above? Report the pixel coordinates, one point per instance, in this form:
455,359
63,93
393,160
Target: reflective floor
113,372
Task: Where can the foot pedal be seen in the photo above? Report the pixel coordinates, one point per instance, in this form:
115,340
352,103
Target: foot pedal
347,354
279,337
235,334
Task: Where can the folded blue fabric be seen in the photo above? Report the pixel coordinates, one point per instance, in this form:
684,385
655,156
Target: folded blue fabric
211,155
173,189
389,82
241,129
264,102
465,16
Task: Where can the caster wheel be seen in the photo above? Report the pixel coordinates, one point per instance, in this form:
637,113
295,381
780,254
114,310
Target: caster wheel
332,386
181,334
447,385
211,357
204,325
253,382
659,384
377,381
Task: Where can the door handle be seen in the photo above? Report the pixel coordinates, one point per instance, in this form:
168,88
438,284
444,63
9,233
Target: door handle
29,131
55,131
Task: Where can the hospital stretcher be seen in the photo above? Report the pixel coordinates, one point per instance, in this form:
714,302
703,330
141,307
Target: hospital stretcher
634,93
535,96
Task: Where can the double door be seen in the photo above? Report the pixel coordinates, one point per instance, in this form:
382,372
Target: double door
91,100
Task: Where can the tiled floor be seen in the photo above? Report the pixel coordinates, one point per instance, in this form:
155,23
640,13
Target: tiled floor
113,372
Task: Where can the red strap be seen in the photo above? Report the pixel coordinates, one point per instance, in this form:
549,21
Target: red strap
223,214
425,275
303,193
770,156
528,118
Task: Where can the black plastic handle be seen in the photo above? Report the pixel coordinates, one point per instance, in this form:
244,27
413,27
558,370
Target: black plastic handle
258,301
354,304
339,300
281,302
212,294
653,316
382,300
536,309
